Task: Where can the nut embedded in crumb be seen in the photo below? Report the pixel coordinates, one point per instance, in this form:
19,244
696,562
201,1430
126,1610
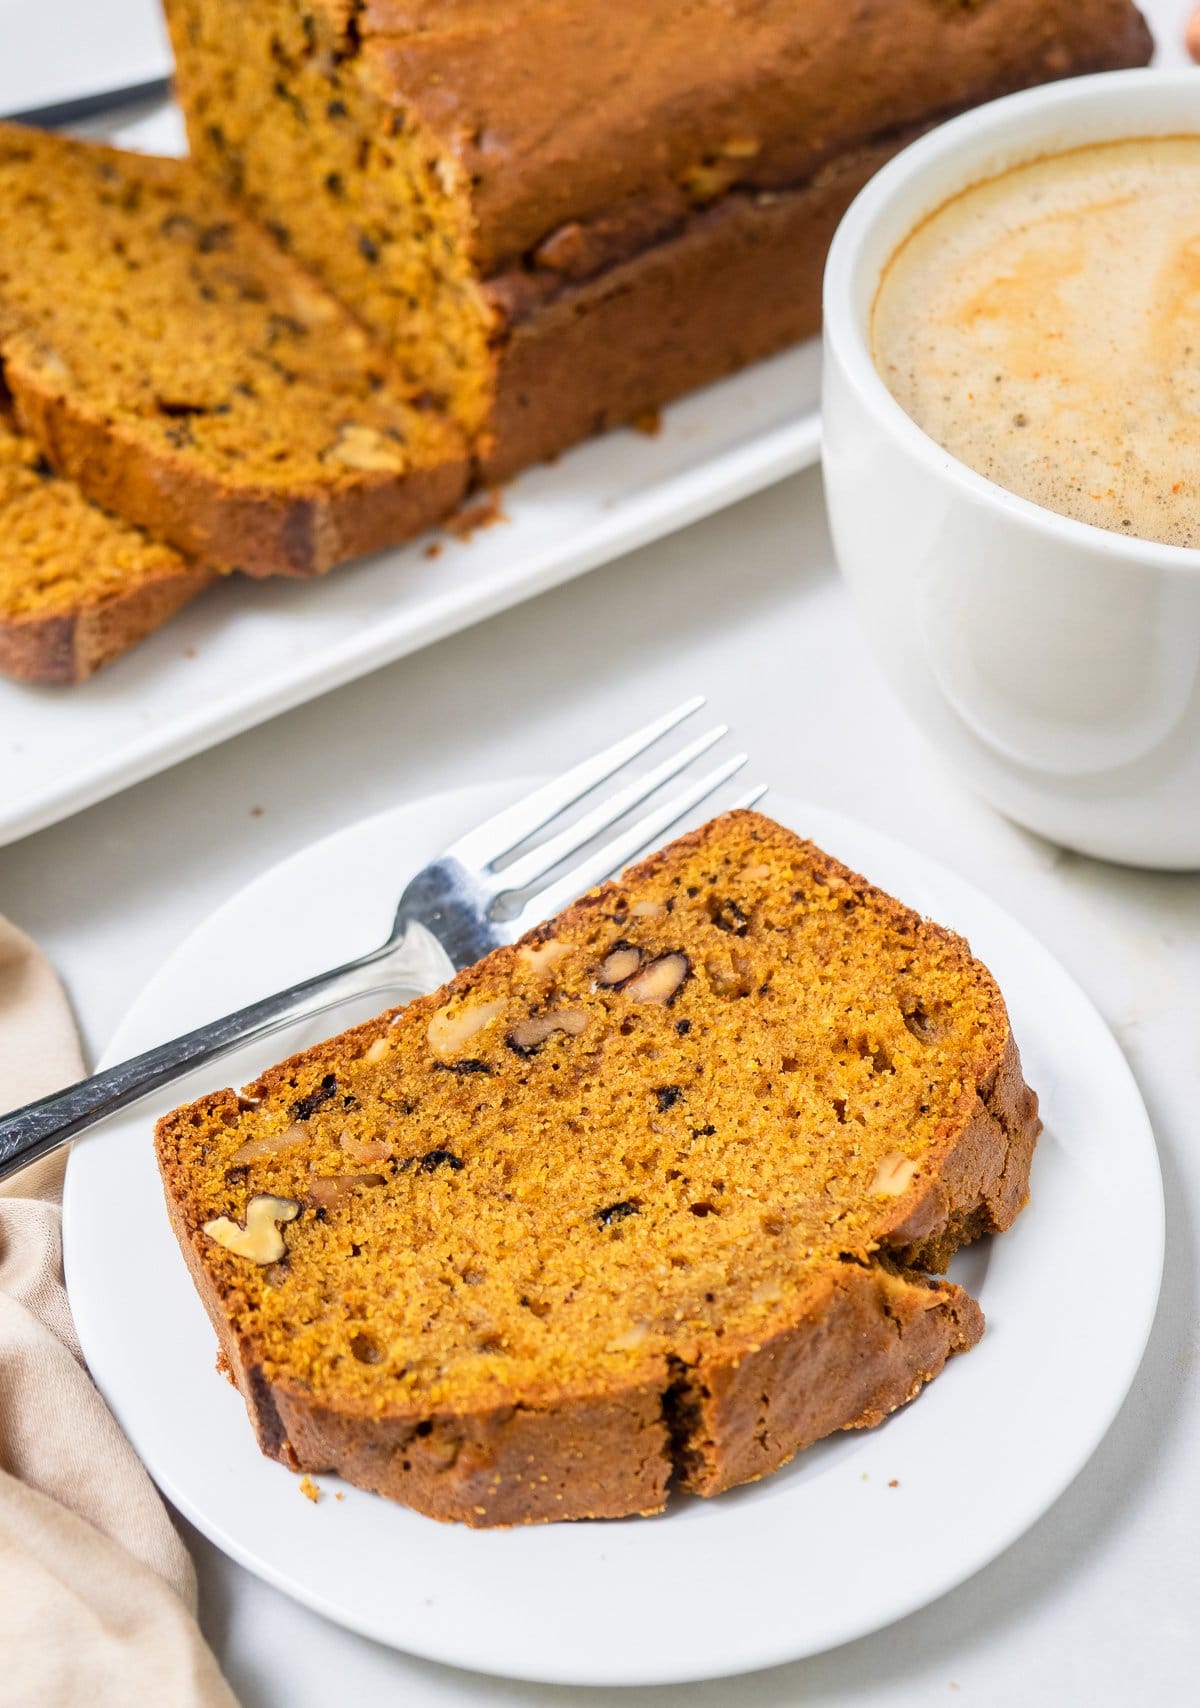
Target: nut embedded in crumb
448,173
453,1026
309,303
540,957
53,365
325,1190
661,980
619,965
531,1032
631,1339
893,1175
358,447
377,1051
375,1149
273,1144
261,1240
565,250
707,180
648,910
309,1489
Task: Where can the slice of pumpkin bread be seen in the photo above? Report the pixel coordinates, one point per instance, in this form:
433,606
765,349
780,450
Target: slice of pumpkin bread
77,586
167,356
645,1199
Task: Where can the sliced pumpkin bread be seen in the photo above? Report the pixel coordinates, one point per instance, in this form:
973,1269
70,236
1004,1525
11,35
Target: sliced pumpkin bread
78,587
167,355
645,1200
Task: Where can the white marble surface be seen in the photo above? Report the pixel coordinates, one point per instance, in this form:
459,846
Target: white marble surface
1096,1605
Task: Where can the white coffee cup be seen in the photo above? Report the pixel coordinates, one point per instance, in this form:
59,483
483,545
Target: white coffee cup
1056,663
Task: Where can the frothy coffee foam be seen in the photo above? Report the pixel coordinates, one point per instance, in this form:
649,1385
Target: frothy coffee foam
1044,327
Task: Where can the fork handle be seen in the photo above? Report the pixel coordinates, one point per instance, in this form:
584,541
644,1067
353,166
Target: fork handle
31,1133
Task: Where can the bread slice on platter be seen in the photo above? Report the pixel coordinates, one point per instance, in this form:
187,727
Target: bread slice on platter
78,586
170,358
648,1200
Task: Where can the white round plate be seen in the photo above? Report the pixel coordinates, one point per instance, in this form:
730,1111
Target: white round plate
859,1531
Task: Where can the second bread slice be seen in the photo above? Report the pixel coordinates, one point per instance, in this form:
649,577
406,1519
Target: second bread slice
171,359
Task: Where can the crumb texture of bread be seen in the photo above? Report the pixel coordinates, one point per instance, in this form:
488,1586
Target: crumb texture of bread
281,109
648,1200
77,585
169,357
518,169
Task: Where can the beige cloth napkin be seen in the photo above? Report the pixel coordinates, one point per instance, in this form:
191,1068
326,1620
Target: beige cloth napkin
97,1592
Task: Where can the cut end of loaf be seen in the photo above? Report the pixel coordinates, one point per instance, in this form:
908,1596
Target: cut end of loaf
281,108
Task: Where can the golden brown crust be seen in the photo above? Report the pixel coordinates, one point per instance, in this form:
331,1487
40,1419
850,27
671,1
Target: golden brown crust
740,282
67,646
604,1456
858,1339
258,531
868,1341
981,1178
565,110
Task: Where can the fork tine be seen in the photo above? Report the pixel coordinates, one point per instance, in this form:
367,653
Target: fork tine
615,855
547,855
750,798
496,836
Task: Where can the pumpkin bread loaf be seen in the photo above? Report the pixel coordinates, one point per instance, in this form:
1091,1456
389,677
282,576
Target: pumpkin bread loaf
609,204
647,1200
77,586
166,355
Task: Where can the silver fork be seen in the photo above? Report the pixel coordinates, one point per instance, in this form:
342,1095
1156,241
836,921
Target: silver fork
448,917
